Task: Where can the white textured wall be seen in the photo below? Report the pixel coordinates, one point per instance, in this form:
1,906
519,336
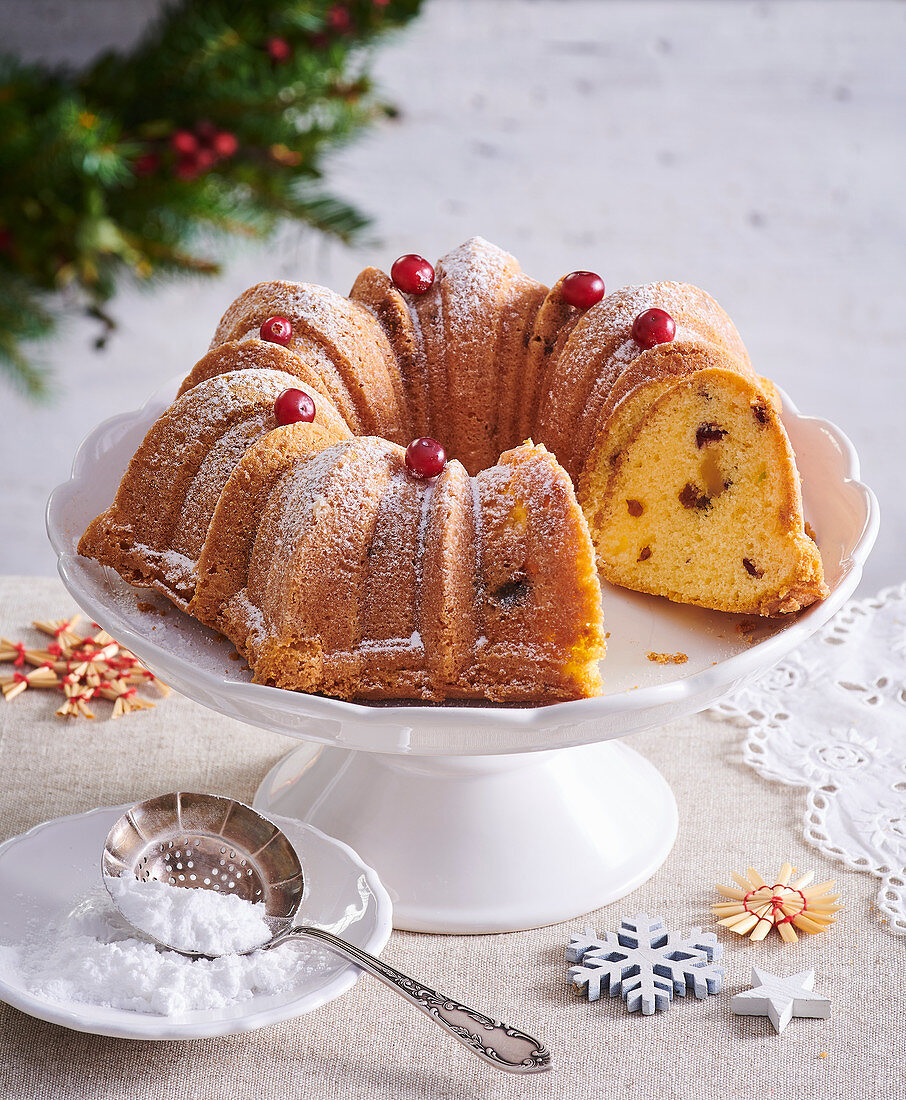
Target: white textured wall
756,149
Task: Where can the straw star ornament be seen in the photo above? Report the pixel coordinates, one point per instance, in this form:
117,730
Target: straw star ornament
754,906
83,668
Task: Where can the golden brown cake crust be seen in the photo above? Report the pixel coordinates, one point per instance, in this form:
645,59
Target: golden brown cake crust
343,331
367,583
262,355
376,292
223,566
154,531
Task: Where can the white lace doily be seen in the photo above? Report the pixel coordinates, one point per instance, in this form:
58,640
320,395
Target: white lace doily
832,717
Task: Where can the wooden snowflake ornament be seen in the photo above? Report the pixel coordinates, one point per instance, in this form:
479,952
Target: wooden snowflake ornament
645,964
754,907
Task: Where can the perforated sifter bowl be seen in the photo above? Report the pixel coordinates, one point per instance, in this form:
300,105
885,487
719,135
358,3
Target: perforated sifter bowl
209,842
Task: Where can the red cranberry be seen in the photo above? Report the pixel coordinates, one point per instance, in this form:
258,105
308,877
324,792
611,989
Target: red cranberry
277,330
654,326
582,289
184,142
412,274
339,19
279,49
425,457
293,406
204,159
224,144
186,169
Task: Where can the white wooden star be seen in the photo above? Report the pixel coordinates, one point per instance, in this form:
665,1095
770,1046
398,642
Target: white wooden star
780,999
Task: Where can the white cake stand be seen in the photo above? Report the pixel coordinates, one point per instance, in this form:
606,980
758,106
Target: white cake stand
480,818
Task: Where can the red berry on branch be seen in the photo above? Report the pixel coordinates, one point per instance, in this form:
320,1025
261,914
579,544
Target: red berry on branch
184,142
279,50
145,164
294,407
412,274
425,457
654,326
225,144
582,289
339,19
186,169
205,159
277,330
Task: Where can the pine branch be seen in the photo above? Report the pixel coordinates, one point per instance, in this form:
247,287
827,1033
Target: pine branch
215,124
22,319
327,214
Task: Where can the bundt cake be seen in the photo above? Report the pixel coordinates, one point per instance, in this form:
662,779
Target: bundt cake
332,568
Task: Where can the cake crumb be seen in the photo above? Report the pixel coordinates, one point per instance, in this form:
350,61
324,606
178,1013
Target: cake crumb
823,1054
746,627
235,656
143,605
668,658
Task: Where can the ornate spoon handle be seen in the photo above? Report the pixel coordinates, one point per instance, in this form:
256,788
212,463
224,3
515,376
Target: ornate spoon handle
503,1046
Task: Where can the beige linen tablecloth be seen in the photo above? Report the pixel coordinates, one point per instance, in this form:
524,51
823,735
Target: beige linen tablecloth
369,1043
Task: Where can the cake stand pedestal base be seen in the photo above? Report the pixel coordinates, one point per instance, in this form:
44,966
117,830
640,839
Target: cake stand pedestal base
472,844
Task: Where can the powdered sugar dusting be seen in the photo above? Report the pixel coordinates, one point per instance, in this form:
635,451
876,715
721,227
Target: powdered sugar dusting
207,485
326,501
411,645
93,956
315,309
603,337
195,919
470,274
216,401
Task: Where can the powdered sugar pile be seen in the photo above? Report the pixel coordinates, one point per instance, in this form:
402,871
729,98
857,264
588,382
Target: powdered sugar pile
93,956
204,921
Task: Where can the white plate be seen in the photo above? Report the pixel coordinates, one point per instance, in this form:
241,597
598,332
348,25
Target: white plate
45,872
640,693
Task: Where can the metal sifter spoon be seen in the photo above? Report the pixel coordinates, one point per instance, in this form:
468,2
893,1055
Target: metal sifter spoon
203,841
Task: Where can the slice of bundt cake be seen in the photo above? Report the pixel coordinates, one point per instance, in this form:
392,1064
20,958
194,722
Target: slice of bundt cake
538,619
223,565
365,582
691,507
154,531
